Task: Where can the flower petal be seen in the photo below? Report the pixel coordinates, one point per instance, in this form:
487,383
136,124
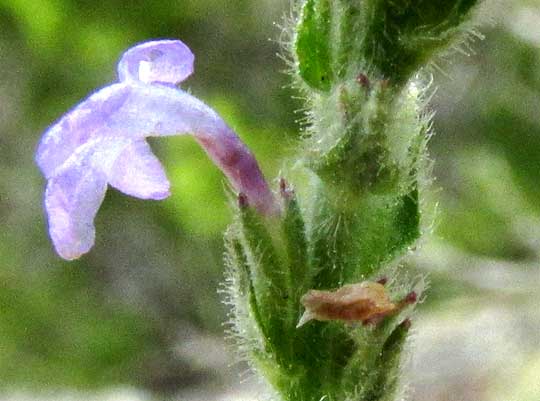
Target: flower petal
137,172
160,61
124,110
134,111
72,200
164,111
86,122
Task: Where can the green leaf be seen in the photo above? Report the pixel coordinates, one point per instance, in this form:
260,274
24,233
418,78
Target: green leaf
268,277
386,378
401,36
294,234
312,45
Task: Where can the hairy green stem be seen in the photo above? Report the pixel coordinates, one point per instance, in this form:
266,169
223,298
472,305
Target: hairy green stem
361,211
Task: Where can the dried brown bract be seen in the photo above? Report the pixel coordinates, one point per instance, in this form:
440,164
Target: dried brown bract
365,302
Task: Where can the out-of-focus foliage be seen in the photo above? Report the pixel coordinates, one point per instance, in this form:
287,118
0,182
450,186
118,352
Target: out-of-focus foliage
492,179
115,316
118,315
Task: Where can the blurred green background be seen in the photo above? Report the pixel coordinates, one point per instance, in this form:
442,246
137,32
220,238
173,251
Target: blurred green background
140,317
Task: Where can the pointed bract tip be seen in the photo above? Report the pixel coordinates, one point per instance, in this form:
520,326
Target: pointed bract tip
282,184
364,81
411,298
242,201
306,317
285,190
406,324
383,280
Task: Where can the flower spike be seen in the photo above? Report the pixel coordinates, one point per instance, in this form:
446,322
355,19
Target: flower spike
102,141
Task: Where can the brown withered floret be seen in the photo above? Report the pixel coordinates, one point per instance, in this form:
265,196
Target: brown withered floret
365,302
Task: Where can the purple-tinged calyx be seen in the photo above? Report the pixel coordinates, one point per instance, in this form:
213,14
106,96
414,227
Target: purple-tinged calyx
102,142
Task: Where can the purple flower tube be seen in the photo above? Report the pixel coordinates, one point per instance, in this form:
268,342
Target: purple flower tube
102,142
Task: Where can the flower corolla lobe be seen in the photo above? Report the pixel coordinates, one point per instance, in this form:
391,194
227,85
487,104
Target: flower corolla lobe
164,61
102,141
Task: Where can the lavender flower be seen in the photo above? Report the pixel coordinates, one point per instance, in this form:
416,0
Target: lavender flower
102,141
